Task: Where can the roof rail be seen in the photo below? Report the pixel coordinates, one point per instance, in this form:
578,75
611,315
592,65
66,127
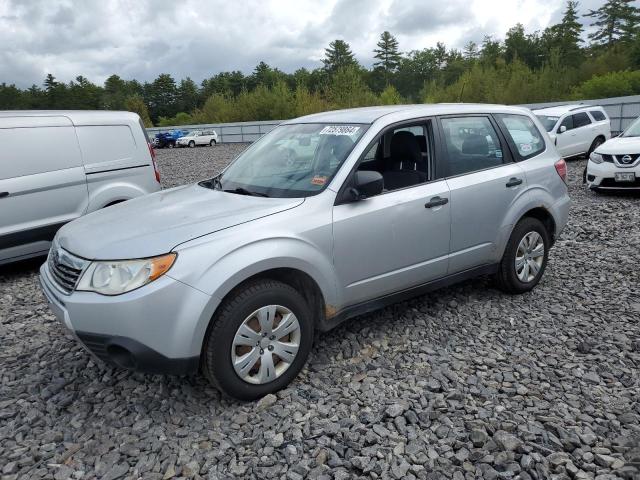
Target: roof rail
578,107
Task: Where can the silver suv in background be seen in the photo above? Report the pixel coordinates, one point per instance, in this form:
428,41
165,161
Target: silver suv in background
234,274
576,129
58,165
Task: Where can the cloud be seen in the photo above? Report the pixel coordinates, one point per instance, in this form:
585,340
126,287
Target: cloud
143,38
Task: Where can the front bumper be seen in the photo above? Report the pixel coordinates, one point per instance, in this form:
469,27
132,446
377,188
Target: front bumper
601,176
158,328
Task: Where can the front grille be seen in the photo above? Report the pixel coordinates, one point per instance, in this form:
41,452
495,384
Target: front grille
96,344
627,160
65,269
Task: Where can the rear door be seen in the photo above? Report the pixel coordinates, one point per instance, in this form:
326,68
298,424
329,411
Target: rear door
483,181
42,182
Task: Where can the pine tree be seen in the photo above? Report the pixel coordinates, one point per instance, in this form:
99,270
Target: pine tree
387,54
565,37
337,56
615,20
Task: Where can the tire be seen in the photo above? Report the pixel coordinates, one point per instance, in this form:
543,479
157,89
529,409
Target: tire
242,308
192,144
507,278
171,145
595,144
212,143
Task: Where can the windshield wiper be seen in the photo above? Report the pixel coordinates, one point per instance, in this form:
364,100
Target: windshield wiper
244,191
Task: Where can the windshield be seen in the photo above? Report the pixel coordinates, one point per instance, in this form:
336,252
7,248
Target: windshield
633,130
291,161
548,122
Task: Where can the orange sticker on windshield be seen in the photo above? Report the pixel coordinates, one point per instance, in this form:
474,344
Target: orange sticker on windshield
318,180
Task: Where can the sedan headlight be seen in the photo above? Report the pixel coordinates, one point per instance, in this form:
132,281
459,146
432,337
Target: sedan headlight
595,157
121,276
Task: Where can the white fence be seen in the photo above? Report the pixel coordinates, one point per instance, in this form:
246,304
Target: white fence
621,110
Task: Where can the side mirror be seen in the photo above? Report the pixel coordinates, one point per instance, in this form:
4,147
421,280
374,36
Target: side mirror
562,129
367,183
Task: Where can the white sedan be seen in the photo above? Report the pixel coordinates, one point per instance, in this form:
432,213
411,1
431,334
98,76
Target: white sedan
198,137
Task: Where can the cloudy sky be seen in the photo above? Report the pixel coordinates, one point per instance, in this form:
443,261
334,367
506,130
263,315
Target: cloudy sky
197,38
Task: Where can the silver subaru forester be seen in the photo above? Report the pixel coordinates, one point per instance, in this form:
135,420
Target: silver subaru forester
328,216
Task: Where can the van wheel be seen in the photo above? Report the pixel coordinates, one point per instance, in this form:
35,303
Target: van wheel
525,258
258,341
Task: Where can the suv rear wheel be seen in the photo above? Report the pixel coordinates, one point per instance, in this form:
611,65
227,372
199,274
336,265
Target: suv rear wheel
259,340
595,144
525,258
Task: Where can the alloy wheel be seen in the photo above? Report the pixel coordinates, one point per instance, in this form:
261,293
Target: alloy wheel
266,344
529,257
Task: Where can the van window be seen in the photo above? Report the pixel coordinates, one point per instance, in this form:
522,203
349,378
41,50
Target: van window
597,115
471,143
580,120
106,143
523,132
27,151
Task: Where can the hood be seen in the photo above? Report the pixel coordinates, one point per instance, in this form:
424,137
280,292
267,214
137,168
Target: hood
620,146
155,224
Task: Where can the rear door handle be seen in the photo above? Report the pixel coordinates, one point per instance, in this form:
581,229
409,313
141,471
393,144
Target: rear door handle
514,182
4,194
436,202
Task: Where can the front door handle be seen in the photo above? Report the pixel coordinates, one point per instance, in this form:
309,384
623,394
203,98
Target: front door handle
514,182
4,194
436,202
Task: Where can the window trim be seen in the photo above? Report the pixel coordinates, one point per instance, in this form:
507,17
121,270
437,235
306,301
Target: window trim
403,123
517,157
507,155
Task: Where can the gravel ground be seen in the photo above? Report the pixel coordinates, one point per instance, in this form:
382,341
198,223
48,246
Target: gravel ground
465,383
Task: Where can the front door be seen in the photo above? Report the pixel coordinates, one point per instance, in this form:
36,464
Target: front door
399,238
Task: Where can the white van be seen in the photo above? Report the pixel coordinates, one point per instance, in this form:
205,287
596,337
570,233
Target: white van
58,165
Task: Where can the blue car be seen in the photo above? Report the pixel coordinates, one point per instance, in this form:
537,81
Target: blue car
168,139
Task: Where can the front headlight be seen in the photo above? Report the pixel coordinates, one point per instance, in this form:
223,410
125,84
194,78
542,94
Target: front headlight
121,276
595,157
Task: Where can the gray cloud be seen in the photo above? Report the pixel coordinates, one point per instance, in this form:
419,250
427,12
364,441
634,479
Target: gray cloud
143,38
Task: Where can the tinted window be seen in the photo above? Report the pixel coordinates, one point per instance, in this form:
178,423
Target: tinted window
471,144
597,115
567,122
525,135
581,119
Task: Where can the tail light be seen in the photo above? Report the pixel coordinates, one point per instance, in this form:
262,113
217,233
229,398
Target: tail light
561,168
156,170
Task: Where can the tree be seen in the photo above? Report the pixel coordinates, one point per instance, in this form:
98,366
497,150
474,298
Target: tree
615,20
161,96
188,95
135,104
387,54
337,56
348,90
525,47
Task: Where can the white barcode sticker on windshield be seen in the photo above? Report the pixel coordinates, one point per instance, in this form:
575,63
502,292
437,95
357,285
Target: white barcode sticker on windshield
349,130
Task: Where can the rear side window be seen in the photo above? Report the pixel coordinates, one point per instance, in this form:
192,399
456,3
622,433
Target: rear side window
28,151
597,115
581,119
526,138
107,144
471,143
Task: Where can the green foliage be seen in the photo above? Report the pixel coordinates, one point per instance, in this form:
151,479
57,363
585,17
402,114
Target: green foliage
524,68
136,104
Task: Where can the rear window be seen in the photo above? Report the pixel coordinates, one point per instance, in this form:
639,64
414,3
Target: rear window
597,115
523,133
28,151
107,144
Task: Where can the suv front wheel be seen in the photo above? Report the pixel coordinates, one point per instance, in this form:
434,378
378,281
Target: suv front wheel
525,258
259,340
